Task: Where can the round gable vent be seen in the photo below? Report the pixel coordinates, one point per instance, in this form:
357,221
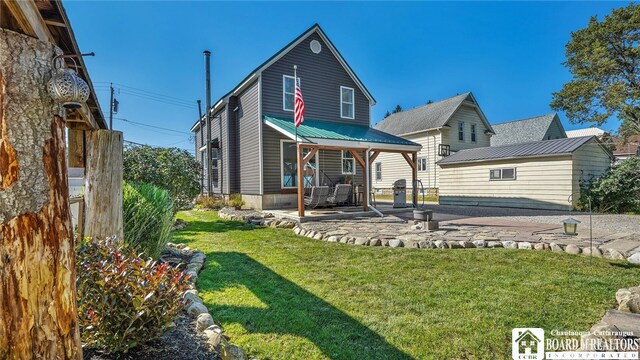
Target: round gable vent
315,46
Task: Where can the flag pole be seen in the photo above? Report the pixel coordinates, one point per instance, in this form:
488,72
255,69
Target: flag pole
295,86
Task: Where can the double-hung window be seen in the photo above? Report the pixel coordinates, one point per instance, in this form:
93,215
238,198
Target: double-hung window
422,164
473,132
346,102
461,131
348,163
288,92
215,156
378,171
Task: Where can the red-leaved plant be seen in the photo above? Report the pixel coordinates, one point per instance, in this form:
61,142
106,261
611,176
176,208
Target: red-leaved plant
123,299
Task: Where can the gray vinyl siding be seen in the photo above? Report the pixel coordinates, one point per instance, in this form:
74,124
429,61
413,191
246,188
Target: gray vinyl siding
555,131
321,76
331,166
271,159
248,164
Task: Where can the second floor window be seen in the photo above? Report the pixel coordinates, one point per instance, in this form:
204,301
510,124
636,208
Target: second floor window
346,102
473,132
461,131
422,164
288,93
348,163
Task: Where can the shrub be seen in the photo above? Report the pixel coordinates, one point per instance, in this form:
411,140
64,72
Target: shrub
209,202
148,218
124,300
616,191
236,201
172,169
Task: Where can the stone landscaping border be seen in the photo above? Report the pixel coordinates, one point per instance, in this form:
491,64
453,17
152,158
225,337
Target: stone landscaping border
194,306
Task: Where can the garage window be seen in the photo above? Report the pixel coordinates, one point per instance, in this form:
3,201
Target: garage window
502,174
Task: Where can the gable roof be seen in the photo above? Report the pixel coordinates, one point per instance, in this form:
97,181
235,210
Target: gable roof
426,117
523,130
315,28
553,147
527,333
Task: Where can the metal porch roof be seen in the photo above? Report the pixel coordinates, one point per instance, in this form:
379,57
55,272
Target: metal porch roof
327,130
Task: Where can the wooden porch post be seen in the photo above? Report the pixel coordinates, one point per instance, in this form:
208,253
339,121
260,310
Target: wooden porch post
365,187
300,170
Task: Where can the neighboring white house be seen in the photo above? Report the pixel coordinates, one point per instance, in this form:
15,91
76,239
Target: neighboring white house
540,175
545,127
592,131
441,127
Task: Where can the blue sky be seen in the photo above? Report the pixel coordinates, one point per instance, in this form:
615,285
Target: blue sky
509,54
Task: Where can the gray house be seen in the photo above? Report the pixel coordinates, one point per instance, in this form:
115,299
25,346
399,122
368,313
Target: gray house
255,151
545,127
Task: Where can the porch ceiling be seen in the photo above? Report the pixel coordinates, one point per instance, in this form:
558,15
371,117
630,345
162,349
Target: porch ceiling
326,133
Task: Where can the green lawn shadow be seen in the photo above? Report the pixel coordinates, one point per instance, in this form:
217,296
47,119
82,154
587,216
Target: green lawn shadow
290,310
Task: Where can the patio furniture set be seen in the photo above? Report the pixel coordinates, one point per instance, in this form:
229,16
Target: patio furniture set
323,196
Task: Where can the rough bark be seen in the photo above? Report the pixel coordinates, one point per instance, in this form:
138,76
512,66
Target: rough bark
38,316
103,188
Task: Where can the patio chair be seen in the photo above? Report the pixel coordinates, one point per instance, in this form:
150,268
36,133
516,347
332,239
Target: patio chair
318,197
340,194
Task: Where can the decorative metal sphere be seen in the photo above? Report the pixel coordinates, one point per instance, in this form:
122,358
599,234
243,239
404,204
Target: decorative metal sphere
68,89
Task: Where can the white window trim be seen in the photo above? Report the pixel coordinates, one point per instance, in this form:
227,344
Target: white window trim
461,123
282,165
353,103
426,165
342,158
515,174
284,94
217,168
375,169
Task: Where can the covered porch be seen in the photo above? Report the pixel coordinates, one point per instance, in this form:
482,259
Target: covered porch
362,143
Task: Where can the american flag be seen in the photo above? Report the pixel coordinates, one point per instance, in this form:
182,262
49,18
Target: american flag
299,105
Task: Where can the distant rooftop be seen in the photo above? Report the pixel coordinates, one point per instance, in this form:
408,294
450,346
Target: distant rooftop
593,131
523,130
530,149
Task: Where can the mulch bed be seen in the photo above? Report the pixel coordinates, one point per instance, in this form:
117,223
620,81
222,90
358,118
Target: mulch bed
182,342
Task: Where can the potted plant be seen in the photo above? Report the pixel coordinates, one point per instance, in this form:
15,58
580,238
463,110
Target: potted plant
348,179
235,200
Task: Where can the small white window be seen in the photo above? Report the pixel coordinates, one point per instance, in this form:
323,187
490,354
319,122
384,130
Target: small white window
461,131
473,132
378,171
288,93
502,174
346,102
215,156
422,164
348,163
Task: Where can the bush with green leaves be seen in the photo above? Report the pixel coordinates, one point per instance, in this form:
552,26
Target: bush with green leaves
123,299
236,201
172,169
616,191
148,217
209,202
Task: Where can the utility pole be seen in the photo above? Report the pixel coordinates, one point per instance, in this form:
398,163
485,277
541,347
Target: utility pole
111,108
207,69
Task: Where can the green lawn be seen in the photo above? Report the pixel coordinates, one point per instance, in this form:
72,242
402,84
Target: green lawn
281,296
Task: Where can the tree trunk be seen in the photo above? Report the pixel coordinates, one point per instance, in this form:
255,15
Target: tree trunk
38,315
103,189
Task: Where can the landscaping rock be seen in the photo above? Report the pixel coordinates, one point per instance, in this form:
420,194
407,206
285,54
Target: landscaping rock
204,321
613,254
509,244
440,244
318,236
395,243
594,251
412,244
480,243
232,352
296,230
541,246
494,244
190,297
196,309
572,249
635,258
524,245
213,338
215,328
425,244
555,247
332,239
454,245
344,239
361,241
629,300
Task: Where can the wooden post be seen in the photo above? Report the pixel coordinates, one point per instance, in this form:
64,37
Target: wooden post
103,185
300,170
38,312
76,148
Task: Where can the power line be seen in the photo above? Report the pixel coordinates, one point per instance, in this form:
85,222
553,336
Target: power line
155,146
152,126
149,93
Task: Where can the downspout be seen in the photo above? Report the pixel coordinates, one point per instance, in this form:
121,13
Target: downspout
367,176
